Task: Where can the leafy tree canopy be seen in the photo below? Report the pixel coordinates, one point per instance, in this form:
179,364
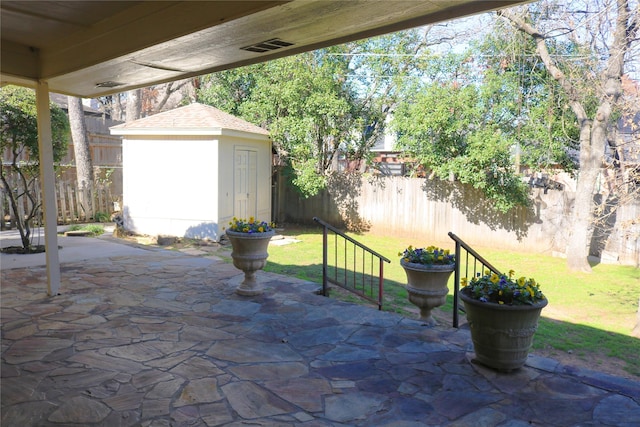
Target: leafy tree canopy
546,128
319,103
18,121
19,145
464,127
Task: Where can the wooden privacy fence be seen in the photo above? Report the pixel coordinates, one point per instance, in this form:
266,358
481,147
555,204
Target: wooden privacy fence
91,203
83,205
426,209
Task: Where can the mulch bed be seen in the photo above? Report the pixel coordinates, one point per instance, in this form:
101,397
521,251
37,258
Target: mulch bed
36,249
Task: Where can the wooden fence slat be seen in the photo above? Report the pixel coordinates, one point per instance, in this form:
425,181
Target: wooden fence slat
98,199
90,203
84,200
62,204
68,203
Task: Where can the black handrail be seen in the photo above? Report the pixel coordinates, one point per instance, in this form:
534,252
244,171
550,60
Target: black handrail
326,279
477,258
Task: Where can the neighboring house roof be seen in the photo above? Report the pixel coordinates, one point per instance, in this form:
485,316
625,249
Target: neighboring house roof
63,102
627,141
191,119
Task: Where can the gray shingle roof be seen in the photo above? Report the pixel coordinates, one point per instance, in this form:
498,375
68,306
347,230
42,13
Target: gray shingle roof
193,116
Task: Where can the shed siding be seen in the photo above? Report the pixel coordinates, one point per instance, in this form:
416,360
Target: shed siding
179,172
226,201
161,198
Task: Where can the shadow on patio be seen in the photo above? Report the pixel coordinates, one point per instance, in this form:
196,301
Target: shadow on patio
159,338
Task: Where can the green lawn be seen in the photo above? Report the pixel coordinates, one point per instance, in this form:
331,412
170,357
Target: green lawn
590,315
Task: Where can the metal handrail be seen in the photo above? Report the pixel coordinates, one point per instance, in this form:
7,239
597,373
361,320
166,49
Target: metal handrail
326,279
477,259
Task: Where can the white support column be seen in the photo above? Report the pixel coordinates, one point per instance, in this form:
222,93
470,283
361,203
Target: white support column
48,187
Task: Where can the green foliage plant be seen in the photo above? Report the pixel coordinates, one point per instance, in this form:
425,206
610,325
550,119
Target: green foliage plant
19,140
102,217
503,289
431,255
250,226
95,230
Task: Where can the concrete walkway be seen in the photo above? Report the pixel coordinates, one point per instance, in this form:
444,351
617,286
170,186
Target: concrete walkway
158,338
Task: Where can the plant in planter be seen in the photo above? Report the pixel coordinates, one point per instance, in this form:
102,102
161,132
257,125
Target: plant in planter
428,270
250,240
503,315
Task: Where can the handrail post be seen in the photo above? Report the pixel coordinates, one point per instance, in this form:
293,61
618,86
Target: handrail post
324,262
380,284
477,258
344,269
456,280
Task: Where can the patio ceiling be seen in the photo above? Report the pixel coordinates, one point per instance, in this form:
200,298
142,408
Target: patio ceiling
94,48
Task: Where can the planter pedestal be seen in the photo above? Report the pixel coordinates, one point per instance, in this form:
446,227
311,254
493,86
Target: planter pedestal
501,334
427,287
249,255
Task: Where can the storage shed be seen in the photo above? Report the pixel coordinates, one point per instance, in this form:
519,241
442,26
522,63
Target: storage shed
187,172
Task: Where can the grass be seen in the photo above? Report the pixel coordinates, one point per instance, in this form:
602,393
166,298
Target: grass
590,316
95,229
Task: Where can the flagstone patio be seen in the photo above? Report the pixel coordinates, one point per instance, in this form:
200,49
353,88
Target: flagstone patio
159,338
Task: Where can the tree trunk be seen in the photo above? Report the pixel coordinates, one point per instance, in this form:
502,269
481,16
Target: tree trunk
134,104
593,137
582,214
81,149
117,111
593,132
82,153
21,224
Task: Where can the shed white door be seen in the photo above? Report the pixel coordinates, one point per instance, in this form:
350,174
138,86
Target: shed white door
245,184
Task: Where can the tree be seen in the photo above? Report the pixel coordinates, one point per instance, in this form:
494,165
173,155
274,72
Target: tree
460,122
19,144
137,103
380,70
606,42
82,151
303,102
134,105
320,104
546,132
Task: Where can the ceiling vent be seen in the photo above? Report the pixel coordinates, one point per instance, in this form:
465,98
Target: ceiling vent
267,46
109,84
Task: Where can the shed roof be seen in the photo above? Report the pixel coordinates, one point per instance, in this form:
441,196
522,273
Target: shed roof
191,119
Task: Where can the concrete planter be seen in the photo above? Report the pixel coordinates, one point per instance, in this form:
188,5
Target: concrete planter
427,287
249,255
501,334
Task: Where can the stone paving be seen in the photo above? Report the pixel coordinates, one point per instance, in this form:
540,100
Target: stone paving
162,340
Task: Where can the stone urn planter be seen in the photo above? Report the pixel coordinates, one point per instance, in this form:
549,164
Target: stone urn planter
427,287
502,334
249,255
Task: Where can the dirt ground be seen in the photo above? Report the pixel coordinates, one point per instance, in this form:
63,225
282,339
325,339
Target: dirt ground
600,363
